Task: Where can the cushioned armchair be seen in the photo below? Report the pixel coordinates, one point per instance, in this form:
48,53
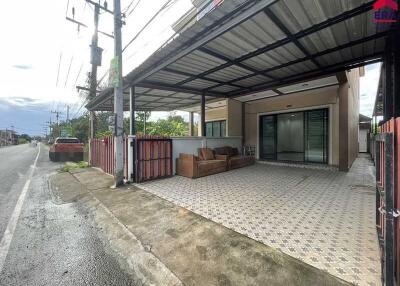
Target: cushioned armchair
207,163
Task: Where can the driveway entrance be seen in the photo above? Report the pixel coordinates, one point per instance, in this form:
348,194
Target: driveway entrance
322,217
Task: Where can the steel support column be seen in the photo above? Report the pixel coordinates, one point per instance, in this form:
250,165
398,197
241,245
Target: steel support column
203,115
132,127
191,123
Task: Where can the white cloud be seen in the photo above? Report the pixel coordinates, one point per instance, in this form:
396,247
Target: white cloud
31,55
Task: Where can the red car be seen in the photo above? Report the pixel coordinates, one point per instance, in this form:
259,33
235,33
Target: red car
66,149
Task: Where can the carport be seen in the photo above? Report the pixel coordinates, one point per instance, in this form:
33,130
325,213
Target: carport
247,47
323,217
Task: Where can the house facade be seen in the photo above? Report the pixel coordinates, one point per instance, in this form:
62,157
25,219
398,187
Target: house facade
304,122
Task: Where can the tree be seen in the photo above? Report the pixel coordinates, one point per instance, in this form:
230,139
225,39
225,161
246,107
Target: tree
174,125
24,138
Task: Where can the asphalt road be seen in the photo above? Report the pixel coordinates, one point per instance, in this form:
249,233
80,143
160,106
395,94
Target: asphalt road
41,242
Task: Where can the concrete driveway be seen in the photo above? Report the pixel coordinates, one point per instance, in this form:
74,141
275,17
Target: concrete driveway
325,218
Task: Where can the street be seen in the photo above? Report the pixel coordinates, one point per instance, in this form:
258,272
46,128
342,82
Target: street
42,241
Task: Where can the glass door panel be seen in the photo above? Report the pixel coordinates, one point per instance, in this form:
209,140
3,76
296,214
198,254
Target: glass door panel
316,136
268,137
290,143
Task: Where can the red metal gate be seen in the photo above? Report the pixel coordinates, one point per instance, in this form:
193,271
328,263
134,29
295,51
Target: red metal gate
388,199
153,158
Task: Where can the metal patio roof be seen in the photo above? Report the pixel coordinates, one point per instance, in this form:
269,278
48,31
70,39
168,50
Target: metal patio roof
247,46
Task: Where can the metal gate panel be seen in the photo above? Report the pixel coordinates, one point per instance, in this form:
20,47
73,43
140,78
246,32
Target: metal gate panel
386,201
153,158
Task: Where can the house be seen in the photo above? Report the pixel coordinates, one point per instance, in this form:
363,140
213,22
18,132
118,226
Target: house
8,137
281,77
295,123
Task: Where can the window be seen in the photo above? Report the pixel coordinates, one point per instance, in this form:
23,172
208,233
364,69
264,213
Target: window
216,128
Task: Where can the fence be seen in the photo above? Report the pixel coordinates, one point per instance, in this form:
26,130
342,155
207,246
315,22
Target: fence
388,199
102,155
152,154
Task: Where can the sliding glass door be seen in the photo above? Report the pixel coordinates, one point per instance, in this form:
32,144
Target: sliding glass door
268,137
317,136
290,143
296,136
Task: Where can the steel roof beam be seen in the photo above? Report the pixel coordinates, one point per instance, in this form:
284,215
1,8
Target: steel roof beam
317,27
233,61
319,54
209,34
162,96
163,86
288,34
197,77
312,74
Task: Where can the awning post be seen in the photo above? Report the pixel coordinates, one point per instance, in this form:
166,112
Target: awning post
132,127
203,115
190,123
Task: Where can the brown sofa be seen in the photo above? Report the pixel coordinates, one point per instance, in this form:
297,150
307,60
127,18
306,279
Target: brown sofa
211,162
192,166
235,160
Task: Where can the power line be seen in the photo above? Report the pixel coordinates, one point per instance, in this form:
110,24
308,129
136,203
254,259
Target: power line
69,68
133,9
148,23
58,71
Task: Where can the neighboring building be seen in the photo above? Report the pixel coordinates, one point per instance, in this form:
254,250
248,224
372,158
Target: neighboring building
200,8
8,137
364,134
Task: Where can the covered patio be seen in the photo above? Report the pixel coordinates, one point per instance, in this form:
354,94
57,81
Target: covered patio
247,54
325,218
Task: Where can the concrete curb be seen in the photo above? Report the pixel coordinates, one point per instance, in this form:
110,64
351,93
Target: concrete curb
146,267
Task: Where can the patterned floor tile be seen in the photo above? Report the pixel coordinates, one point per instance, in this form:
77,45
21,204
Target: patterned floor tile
319,215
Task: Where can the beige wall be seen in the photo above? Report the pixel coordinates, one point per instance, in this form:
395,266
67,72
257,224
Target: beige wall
234,122
214,114
324,97
231,112
353,78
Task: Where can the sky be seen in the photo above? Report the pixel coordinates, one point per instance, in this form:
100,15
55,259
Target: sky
43,56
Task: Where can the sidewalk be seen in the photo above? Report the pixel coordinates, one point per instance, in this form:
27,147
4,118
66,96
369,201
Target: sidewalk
163,244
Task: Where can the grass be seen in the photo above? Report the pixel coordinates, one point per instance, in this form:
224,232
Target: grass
69,166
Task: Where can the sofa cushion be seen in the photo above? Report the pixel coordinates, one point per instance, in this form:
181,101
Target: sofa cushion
221,151
226,150
234,151
206,154
240,161
210,165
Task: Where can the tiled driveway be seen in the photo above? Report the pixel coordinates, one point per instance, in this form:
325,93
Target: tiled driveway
325,218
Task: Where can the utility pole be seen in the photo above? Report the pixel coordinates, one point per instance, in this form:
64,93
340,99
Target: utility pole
93,75
49,122
95,58
57,113
118,97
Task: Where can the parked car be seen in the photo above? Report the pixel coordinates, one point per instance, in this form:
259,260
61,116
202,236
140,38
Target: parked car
66,149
